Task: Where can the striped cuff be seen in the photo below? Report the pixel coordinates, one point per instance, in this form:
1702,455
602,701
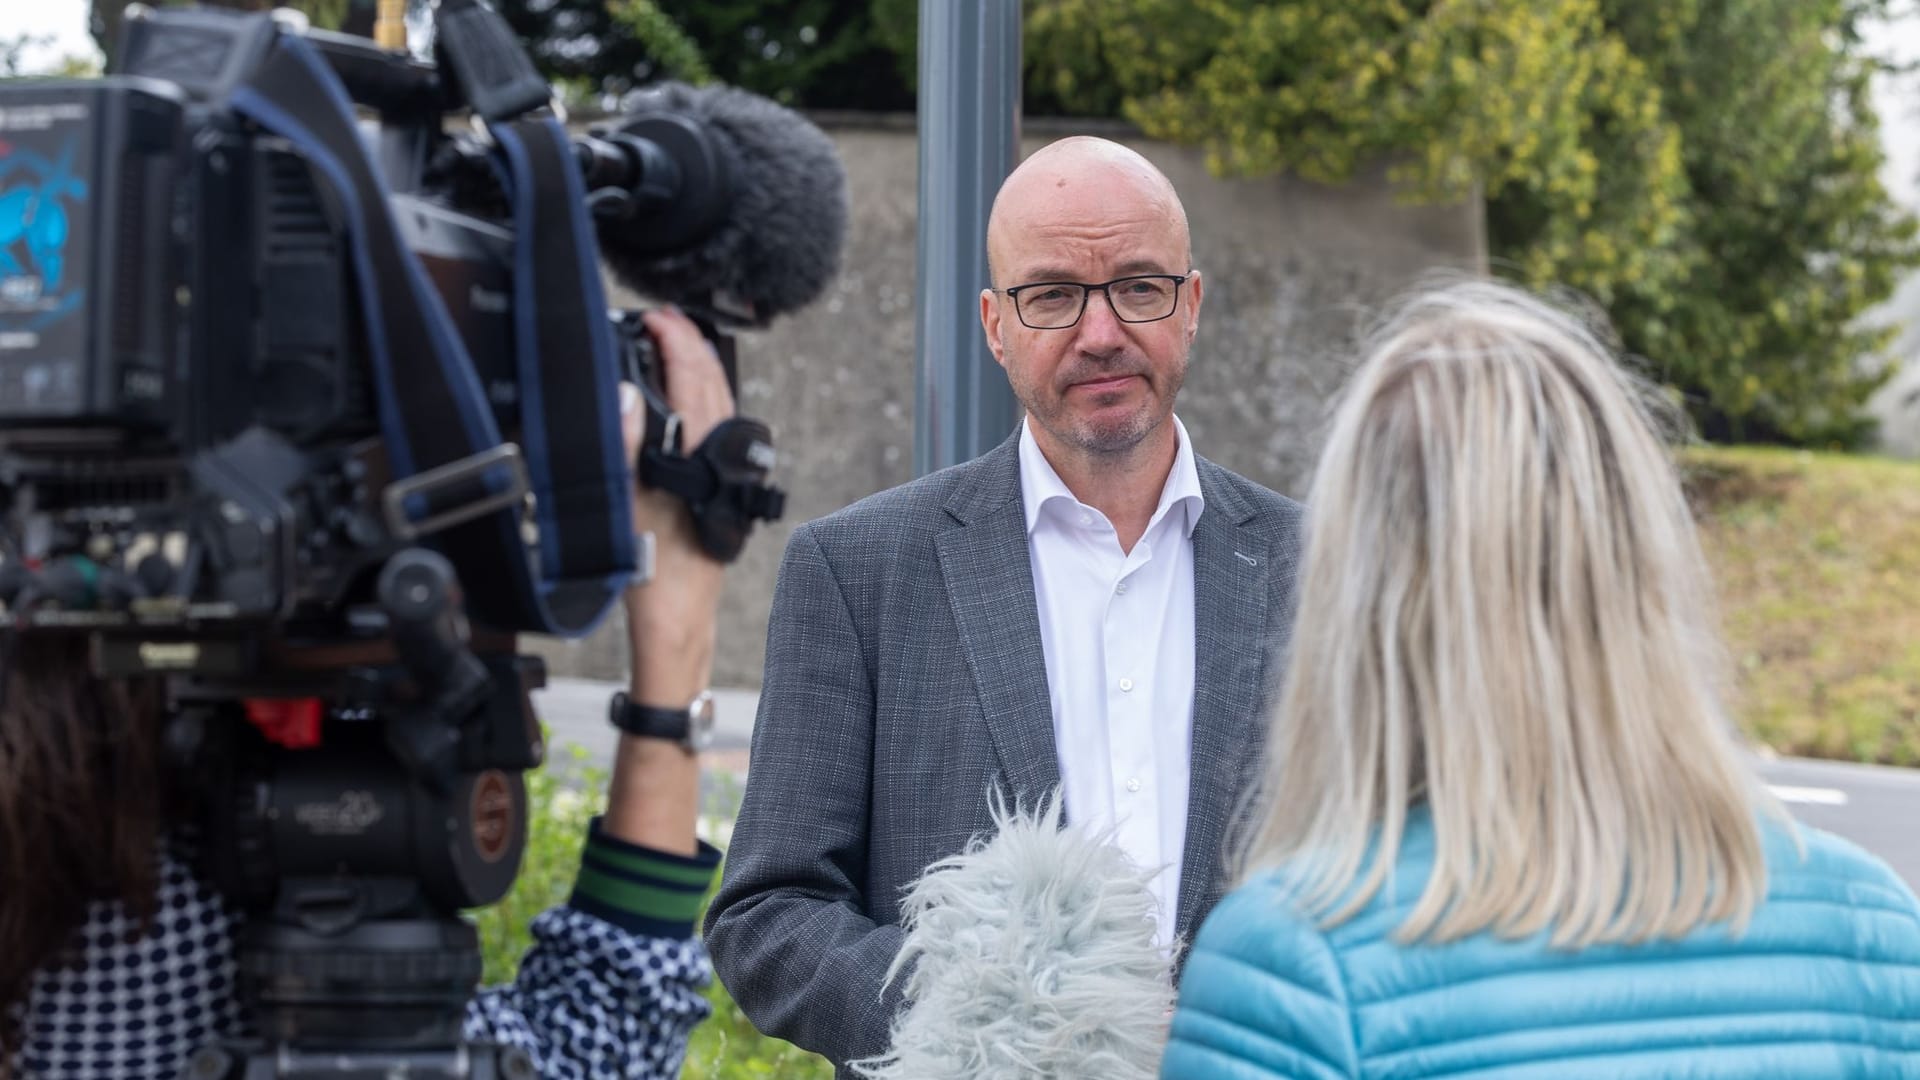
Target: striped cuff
640,890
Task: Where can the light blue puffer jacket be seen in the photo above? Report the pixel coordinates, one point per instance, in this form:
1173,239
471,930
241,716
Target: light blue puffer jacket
1825,983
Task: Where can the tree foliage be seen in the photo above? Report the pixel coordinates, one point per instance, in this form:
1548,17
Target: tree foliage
853,54
1792,235
1706,169
817,53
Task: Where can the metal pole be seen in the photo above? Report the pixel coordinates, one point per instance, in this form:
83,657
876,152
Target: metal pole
969,142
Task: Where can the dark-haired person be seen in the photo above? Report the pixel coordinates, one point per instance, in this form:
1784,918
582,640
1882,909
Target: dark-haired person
115,962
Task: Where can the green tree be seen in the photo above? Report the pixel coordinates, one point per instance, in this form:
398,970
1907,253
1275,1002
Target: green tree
1705,169
1792,234
813,53
826,54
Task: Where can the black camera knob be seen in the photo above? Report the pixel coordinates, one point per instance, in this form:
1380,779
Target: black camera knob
417,586
155,574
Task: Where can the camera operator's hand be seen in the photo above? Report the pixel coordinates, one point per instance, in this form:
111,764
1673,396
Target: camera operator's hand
696,389
654,796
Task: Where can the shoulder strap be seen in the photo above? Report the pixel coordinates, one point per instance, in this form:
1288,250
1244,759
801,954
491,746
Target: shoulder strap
442,443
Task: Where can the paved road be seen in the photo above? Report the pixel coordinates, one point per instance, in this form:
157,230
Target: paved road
1877,808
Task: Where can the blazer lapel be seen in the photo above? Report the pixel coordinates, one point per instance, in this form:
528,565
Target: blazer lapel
989,580
1231,568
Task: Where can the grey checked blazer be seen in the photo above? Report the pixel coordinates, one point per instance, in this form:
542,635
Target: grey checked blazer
904,679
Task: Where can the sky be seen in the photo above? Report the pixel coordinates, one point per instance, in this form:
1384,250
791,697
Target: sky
1898,99
1898,102
64,20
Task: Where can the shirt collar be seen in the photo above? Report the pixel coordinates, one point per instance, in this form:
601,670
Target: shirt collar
1040,484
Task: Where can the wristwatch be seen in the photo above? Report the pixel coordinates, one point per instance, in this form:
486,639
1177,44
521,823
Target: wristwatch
691,727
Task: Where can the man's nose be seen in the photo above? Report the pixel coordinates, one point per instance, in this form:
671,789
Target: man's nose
1099,326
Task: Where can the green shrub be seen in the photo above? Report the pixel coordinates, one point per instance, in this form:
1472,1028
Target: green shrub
562,798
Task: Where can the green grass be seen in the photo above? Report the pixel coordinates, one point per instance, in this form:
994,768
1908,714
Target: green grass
1817,561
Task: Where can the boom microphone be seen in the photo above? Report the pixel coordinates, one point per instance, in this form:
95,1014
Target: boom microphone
1029,955
712,196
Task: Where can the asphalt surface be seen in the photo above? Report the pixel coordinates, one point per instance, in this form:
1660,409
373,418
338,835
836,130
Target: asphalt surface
1875,807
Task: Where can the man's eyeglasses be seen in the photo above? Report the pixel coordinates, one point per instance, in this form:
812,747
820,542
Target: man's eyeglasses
1056,305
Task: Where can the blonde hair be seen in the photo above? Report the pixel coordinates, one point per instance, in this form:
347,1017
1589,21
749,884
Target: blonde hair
1504,612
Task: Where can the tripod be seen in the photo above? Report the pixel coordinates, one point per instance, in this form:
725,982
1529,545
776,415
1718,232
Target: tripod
353,831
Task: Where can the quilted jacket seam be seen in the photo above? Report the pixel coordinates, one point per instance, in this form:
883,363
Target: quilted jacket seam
1265,1037
1447,985
1897,910
1346,1001
1481,1067
1268,973
1635,1021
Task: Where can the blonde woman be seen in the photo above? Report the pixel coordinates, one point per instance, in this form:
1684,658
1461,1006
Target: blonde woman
1506,830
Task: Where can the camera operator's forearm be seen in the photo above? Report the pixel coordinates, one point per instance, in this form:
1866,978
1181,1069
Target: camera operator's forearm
670,629
654,796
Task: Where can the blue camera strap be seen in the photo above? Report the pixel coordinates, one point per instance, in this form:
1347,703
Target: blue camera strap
433,413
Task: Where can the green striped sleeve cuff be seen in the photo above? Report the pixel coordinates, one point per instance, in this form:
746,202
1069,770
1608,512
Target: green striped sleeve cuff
641,890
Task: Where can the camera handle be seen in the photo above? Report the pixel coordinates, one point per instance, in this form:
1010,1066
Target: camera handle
724,480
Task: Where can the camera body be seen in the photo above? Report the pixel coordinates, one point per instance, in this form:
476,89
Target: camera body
309,405
220,461
189,430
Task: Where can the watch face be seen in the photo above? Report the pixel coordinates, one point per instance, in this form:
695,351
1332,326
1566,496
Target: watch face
700,722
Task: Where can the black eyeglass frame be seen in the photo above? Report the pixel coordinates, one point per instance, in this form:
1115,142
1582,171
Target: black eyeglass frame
1086,294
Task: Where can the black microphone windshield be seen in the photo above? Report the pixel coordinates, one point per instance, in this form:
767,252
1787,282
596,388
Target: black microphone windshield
776,230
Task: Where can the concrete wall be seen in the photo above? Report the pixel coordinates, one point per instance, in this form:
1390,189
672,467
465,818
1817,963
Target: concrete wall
1897,404
1292,271
1895,90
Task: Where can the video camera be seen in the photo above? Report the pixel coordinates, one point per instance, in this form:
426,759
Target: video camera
298,336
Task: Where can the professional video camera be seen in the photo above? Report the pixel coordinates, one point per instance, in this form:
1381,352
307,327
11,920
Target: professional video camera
286,357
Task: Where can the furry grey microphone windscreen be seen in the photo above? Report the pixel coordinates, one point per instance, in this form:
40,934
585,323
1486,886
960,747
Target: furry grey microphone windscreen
1032,955
780,244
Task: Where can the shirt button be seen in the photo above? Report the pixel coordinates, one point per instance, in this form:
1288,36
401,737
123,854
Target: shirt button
1133,783
1086,519
1121,588
1126,685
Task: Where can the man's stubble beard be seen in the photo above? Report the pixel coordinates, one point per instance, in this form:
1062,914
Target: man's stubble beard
1103,441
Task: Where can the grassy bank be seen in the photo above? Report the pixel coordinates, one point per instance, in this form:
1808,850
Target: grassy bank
1817,557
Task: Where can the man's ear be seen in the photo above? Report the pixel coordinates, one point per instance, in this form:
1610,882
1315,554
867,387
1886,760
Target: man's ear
990,324
1194,294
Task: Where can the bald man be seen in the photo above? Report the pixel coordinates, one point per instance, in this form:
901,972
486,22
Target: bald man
1091,609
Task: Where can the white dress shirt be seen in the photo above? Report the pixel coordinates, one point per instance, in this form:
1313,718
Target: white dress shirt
1117,628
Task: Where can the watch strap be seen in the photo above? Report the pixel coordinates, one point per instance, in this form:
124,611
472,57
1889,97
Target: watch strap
646,721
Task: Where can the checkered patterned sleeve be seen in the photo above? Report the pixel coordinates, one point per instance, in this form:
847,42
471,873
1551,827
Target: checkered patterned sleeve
610,989
129,1003
612,985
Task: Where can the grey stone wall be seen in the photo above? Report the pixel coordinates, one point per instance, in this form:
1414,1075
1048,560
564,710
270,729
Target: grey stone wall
1293,270
1897,404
